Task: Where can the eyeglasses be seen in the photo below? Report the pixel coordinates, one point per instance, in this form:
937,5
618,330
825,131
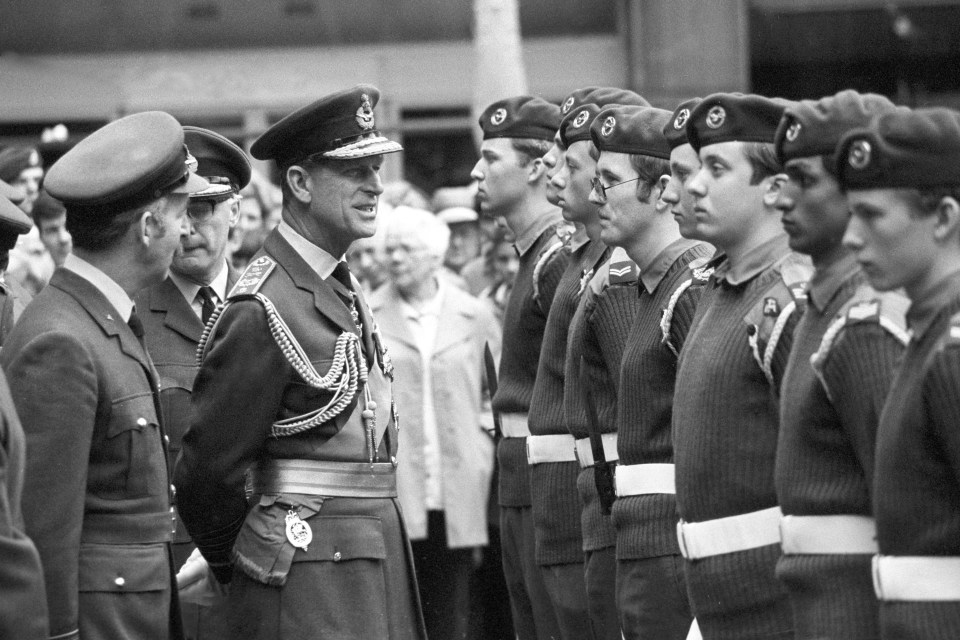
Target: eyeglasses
602,190
200,210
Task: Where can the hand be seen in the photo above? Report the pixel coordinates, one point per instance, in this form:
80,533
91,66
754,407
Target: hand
196,582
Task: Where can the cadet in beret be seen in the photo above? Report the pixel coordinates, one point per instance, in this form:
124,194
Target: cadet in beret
175,311
684,163
512,184
295,385
97,493
21,167
13,223
725,410
902,176
853,336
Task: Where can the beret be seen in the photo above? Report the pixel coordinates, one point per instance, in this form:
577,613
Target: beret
575,126
602,96
456,215
676,129
814,127
521,117
13,194
13,219
631,129
902,149
13,160
124,164
339,126
725,117
220,161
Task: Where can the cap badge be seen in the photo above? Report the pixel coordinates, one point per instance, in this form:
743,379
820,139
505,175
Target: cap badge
860,154
581,119
682,116
608,126
34,159
365,113
793,131
191,162
567,105
716,117
498,117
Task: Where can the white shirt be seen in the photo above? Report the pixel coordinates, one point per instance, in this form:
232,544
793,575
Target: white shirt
191,290
106,285
318,259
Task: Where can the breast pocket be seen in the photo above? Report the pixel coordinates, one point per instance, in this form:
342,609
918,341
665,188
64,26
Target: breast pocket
129,461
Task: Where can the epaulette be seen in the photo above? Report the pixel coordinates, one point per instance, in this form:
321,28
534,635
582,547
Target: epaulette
865,306
700,272
542,261
767,319
253,277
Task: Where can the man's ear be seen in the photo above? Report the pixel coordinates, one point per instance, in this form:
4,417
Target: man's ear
299,181
772,189
536,170
659,205
234,212
947,220
148,226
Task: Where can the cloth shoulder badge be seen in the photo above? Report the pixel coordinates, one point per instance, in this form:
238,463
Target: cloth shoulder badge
623,270
701,270
253,277
365,113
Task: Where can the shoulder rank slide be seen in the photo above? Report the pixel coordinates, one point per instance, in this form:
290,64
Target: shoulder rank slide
623,270
253,277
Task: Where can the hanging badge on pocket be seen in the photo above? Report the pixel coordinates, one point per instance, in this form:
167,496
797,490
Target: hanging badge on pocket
299,532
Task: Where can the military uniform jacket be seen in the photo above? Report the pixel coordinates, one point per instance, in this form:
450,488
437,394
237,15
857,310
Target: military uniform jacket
96,497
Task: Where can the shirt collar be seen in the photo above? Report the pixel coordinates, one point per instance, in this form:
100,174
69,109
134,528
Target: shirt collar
754,262
923,311
528,237
106,285
318,259
652,273
189,289
825,283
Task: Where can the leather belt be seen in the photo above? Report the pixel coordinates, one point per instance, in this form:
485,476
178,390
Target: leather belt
643,479
325,478
830,535
728,535
129,528
552,448
514,425
916,578
584,450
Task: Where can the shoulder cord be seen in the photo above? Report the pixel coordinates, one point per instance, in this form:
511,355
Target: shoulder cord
774,339
667,318
538,268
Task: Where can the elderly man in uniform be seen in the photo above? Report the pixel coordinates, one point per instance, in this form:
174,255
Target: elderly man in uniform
175,310
295,385
902,176
512,184
97,494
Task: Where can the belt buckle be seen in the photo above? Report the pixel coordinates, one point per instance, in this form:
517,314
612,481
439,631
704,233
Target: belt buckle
875,572
681,540
576,454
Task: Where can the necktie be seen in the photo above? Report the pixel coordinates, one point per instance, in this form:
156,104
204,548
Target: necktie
136,326
207,303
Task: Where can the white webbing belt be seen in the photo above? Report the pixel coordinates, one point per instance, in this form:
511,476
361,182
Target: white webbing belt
728,535
551,448
514,425
916,578
837,535
585,450
642,479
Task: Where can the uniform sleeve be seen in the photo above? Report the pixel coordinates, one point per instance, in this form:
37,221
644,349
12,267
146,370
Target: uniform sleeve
609,321
781,353
53,382
943,404
857,375
550,277
235,398
683,313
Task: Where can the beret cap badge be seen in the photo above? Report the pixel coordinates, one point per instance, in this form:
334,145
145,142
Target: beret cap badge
681,119
608,126
860,154
567,105
365,113
793,131
498,116
581,118
716,117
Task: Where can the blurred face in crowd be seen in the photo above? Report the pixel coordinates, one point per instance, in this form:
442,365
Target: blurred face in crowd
505,262
367,261
812,207
684,163
553,162
202,251
621,219
501,173
55,237
464,245
29,182
573,182
251,216
409,259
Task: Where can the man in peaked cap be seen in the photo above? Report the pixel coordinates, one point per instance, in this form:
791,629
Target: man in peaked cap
903,185
512,183
174,312
725,412
853,337
628,331
295,385
97,494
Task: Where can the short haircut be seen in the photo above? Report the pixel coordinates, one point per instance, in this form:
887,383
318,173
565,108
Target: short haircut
422,225
46,208
530,149
650,170
94,231
762,157
927,200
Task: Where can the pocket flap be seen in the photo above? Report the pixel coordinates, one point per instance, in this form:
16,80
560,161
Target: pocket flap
123,567
132,412
339,538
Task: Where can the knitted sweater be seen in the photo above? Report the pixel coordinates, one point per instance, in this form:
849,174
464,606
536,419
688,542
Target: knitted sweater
917,482
725,421
542,261
828,419
646,525
556,509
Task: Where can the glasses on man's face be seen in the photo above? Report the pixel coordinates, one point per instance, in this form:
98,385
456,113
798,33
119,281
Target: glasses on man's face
200,210
602,190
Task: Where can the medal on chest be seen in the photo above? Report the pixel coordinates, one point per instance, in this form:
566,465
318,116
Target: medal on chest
299,532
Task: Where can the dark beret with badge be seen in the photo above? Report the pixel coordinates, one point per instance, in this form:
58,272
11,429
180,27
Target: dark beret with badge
521,117
125,164
633,130
676,129
221,162
575,126
340,126
728,117
13,160
912,149
600,96
814,127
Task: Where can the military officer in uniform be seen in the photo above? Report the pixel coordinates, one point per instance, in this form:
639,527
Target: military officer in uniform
97,494
295,385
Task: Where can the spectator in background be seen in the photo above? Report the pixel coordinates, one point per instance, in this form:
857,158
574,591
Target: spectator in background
402,193
258,201
367,257
20,167
50,216
500,266
30,263
435,334
463,257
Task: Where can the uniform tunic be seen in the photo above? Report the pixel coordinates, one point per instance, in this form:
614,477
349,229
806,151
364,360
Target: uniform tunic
725,422
825,454
917,482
